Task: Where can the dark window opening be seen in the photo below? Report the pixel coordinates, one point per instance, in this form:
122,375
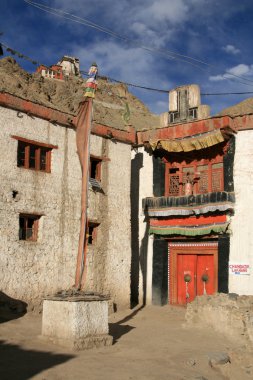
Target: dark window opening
21,153
174,170
173,117
43,159
92,232
32,156
95,168
193,113
28,227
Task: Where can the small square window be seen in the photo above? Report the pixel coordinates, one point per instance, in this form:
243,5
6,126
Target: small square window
95,173
92,232
193,113
28,227
173,117
95,168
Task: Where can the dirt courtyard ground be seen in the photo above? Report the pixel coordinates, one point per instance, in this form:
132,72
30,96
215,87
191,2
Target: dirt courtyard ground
149,343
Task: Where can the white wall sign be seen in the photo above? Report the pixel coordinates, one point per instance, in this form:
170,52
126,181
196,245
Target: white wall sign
239,268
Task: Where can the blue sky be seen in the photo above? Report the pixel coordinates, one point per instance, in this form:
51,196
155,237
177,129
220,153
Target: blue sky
216,32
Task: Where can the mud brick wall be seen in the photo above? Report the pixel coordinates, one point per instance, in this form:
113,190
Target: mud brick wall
228,314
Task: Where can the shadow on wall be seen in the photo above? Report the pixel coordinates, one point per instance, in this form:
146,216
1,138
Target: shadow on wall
140,249
17,363
144,258
136,165
11,308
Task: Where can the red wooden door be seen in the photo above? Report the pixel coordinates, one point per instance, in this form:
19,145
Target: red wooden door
186,273
195,276
205,274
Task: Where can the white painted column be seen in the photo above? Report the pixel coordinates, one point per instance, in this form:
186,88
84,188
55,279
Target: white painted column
241,240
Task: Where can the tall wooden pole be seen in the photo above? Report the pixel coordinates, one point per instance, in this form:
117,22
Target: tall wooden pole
83,130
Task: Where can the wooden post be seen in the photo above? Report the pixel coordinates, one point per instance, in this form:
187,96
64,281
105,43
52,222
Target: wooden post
83,130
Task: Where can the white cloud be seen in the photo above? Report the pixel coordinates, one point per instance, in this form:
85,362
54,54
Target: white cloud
231,49
152,22
174,11
118,62
216,78
130,65
239,70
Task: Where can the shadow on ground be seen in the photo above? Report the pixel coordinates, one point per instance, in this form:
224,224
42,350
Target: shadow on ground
17,363
11,308
116,330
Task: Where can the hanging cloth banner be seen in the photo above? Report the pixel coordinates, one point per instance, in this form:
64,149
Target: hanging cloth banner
191,226
187,211
190,231
189,205
83,130
191,221
91,83
82,142
188,144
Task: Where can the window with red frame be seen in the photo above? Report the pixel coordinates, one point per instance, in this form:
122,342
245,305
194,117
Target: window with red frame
34,155
28,227
205,176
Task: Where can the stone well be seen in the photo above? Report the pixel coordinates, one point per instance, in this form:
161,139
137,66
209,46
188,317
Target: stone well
77,322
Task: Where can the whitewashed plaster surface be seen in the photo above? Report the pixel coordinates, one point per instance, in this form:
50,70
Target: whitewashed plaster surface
241,240
31,270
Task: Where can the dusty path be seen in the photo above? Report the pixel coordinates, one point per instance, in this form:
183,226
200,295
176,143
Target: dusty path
150,343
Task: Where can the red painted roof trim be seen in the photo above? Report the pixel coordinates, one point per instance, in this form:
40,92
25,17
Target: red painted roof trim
244,122
31,108
16,103
128,136
34,142
186,129
114,134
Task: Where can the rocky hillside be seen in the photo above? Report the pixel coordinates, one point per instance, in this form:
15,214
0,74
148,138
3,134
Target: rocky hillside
114,105
243,108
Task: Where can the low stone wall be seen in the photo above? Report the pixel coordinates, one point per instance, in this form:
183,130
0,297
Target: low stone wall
228,314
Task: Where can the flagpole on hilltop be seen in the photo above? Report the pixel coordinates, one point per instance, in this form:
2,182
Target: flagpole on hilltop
83,131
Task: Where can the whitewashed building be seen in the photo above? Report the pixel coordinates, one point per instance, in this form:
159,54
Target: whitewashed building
195,222
143,221
40,204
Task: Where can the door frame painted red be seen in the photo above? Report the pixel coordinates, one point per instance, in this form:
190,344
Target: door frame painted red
208,248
